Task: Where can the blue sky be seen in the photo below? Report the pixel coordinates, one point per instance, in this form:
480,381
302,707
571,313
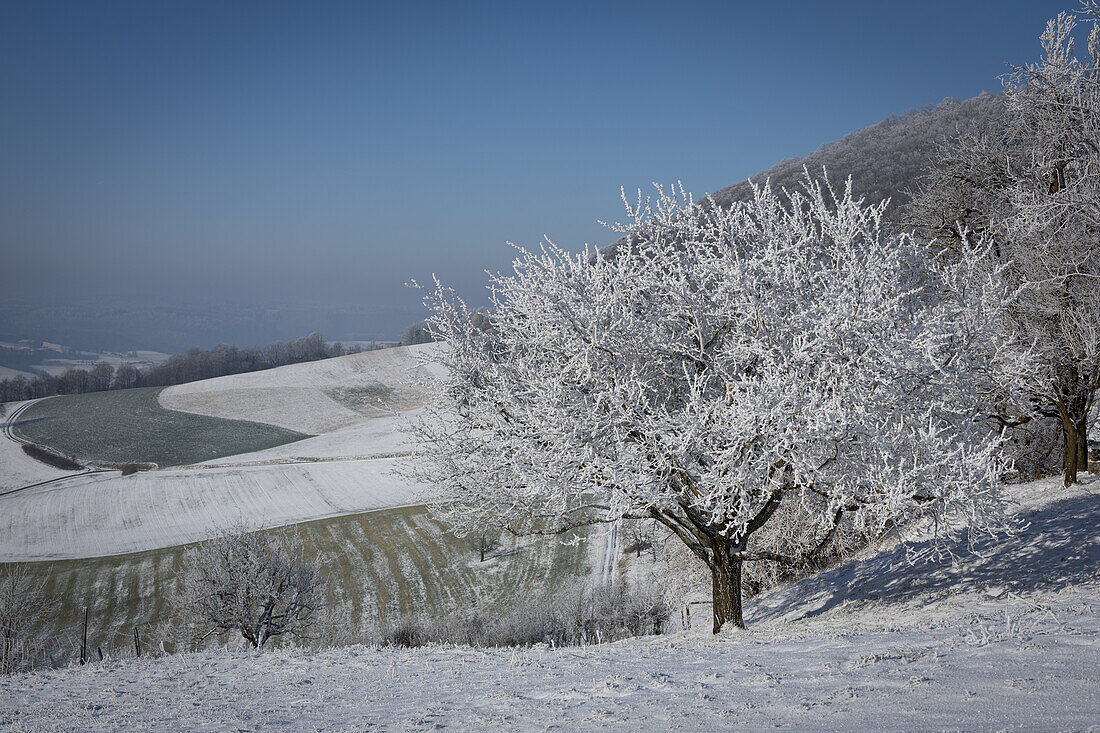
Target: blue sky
326,152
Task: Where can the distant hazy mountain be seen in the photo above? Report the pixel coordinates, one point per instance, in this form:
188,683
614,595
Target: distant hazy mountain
885,160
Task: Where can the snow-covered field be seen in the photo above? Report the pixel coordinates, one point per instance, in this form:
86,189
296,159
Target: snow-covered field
370,438
1005,640
380,566
99,514
314,397
9,373
70,358
345,470
17,469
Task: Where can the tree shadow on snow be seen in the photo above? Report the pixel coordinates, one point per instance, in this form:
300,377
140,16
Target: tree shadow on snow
1056,546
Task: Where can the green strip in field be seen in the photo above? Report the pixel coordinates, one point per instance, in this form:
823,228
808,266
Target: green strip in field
131,426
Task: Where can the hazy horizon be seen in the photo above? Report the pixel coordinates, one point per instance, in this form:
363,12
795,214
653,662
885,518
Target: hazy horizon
183,175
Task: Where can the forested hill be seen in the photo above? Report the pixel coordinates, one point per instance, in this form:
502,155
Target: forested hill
884,160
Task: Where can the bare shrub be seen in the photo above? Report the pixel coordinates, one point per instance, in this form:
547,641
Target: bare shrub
256,583
1036,448
50,458
25,606
641,535
577,615
337,626
485,542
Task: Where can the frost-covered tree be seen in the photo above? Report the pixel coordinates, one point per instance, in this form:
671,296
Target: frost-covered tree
1031,184
25,606
725,362
256,583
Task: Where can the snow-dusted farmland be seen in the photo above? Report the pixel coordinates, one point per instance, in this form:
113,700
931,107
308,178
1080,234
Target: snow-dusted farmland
1005,640
130,425
314,397
16,467
91,515
380,565
377,437
343,471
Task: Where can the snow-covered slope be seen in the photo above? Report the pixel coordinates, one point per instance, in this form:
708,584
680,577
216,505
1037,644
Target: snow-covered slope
314,397
346,469
17,469
369,438
1005,640
93,515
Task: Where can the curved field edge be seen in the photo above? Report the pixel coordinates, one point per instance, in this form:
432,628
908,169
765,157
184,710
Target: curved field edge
131,426
381,565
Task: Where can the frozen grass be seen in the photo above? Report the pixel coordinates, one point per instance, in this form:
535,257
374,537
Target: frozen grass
382,566
130,426
579,615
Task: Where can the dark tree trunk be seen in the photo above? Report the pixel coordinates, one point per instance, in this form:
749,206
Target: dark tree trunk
1070,453
725,573
1083,443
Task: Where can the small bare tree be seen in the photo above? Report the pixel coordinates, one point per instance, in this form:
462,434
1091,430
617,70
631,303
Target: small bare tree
640,535
25,605
257,583
486,541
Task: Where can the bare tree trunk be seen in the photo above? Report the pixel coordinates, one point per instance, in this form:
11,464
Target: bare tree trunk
726,586
1070,454
7,663
1083,443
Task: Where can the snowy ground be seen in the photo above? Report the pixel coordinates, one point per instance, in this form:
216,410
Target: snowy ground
377,437
345,470
92,515
17,469
314,397
9,373
1005,640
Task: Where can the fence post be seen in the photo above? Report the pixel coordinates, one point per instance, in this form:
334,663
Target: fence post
137,643
84,639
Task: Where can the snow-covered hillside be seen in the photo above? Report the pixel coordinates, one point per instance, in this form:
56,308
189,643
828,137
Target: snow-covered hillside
92,515
17,469
344,470
1008,639
314,397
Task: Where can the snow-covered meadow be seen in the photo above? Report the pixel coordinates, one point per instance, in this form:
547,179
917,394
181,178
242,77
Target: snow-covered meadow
92,515
313,397
1007,639
343,471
